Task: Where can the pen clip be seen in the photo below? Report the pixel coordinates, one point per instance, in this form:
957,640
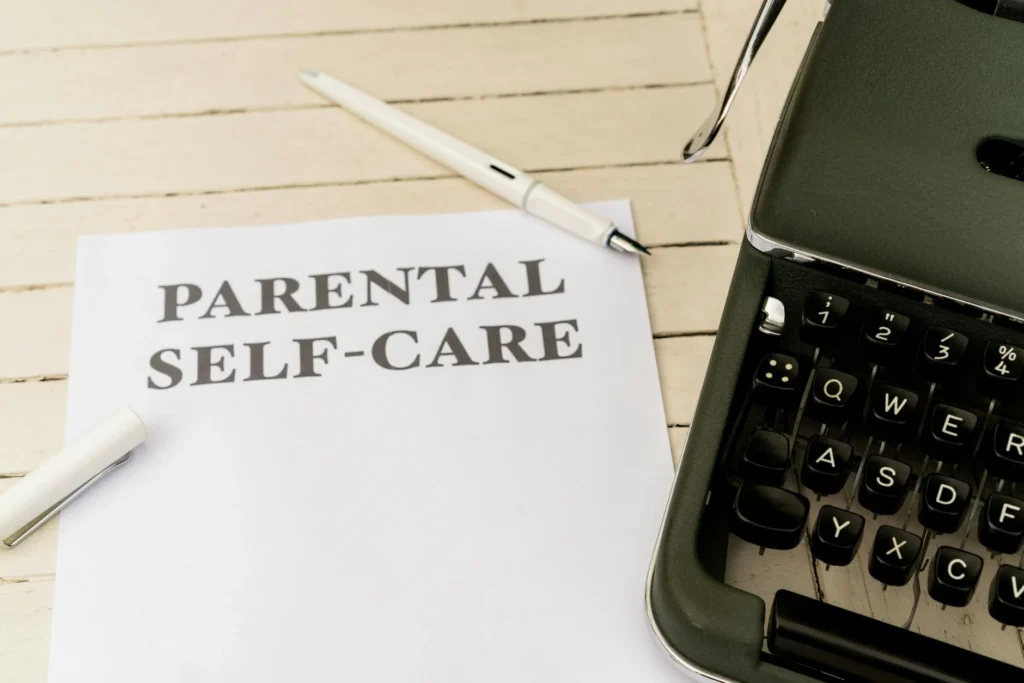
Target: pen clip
705,135
48,514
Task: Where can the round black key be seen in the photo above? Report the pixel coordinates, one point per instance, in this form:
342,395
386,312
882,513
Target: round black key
769,517
823,314
826,465
766,458
944,502
884,485
954,576
836,536
1006,596
832,396
1001,526
942,352
894,557
951,433
1004,457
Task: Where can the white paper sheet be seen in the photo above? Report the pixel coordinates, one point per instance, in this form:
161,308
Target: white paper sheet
486,521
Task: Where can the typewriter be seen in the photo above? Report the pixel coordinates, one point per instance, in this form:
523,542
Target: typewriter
850,501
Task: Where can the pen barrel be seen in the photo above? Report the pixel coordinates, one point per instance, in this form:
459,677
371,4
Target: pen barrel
556,209
60,475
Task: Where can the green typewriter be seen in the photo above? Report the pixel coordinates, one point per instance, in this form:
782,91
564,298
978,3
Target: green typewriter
857,452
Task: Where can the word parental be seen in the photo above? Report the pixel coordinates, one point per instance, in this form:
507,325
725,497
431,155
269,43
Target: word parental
343,290
392,350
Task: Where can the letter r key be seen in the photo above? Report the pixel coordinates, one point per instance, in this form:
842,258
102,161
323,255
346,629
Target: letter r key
1005,454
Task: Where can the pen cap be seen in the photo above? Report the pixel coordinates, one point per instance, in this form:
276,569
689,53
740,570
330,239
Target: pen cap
62,475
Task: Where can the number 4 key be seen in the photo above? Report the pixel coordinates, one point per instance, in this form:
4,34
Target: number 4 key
1004,362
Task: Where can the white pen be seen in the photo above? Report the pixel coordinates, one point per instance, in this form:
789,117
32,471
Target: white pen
43,492
504,180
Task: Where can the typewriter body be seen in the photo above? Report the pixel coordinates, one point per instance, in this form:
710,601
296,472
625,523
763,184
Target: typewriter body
863,411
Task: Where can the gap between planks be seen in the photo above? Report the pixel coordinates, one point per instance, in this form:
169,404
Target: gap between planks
508,62
369,30
199,155
329,105
673,204
346,183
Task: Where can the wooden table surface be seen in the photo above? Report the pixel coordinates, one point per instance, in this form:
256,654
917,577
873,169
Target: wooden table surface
132,115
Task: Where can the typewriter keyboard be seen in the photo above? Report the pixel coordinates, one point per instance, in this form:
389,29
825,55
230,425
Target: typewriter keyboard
882,432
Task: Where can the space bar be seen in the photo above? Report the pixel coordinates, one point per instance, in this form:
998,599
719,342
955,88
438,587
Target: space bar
845,643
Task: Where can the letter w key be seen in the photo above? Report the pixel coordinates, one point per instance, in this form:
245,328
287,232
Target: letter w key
892,411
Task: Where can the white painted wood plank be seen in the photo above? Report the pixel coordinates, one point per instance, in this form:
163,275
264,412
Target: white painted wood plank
31,425
25,629
682,362
686,287
59,23
672,204
686,290
433,64
756,110
326,146
41,341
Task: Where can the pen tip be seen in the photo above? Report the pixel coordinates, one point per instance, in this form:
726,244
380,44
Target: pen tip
308,74
620,242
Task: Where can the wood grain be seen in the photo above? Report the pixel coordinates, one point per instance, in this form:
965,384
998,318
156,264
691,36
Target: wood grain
48,24
416,65
328,146
25,608
31,425
672,204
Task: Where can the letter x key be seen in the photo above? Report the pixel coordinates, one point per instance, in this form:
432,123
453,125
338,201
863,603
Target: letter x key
894,558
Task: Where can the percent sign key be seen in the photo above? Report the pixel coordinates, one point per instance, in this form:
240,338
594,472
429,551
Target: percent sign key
1004,361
